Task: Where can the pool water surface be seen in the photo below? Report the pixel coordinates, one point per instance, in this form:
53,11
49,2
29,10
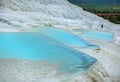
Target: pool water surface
64,37
99,35
36,46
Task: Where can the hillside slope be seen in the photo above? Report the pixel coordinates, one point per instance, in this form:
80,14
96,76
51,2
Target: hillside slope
22,15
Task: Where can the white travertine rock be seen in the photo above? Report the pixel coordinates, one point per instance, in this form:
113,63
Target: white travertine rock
21,15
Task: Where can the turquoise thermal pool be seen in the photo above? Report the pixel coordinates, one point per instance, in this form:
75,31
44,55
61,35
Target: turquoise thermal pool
99,35
64,37
35,46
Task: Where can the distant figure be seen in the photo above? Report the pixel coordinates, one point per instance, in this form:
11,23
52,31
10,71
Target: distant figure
102,26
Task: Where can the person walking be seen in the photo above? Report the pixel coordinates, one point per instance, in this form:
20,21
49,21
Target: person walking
102,26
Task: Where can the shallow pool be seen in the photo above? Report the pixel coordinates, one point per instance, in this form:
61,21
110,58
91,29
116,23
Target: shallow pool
64,37
99,35
35,46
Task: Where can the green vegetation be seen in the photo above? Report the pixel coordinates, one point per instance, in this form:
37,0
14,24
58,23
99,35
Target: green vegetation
105,10
115,19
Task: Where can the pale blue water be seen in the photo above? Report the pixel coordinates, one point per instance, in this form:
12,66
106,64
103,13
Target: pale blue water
35,46
65,37
99,35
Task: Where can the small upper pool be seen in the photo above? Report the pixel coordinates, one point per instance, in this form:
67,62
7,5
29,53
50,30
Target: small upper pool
64,37
99,35
35,46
